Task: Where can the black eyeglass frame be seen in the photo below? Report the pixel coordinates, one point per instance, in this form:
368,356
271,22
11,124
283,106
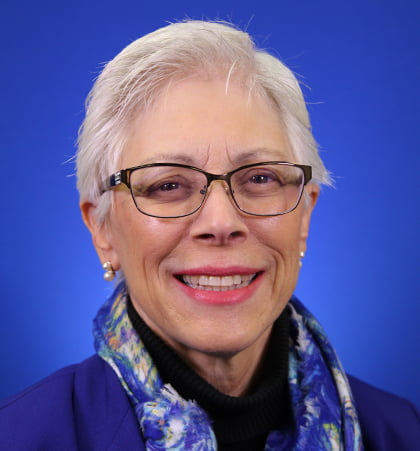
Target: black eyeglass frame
122,177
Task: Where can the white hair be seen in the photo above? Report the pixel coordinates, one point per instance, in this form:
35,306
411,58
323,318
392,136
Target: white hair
134,79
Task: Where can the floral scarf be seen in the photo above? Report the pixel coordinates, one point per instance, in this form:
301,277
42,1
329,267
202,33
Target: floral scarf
324,413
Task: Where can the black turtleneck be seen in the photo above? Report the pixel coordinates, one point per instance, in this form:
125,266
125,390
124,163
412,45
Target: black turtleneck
239,423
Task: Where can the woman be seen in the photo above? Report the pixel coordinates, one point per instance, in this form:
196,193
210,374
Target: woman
198,175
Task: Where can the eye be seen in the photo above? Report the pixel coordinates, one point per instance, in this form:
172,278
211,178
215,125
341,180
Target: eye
162,187
167,186
259,181
261,178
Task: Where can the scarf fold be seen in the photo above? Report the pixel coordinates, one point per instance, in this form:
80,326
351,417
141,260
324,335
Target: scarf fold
324,413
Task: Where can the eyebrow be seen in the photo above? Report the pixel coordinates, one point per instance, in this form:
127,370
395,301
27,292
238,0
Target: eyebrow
243,157
260,154
170,158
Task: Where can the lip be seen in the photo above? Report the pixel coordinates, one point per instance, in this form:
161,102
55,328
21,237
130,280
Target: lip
229,297
217,271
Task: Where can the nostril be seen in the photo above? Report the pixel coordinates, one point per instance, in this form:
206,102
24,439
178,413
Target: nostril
206,236
236,234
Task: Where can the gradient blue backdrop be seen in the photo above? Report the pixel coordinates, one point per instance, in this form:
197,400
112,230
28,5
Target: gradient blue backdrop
360,276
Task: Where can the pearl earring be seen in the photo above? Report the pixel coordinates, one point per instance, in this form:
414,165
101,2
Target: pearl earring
109,271
302,254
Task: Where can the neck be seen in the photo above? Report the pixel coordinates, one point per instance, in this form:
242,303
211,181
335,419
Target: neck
244,420
234,374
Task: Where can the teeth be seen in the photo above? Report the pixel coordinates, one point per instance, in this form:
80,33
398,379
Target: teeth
218,283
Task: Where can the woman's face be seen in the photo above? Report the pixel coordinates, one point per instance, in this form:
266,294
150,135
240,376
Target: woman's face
217,130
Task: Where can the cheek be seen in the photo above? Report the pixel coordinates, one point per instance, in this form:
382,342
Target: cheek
142,242
281,234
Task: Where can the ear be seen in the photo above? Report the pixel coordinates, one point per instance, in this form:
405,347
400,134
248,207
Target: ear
309,200
101,237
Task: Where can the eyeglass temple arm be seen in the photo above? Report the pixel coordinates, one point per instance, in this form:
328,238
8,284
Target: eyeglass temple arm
307,172
116,179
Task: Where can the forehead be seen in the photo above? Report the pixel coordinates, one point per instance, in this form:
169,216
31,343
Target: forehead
207,123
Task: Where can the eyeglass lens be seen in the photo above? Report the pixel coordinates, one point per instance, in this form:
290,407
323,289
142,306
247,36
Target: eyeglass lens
169,191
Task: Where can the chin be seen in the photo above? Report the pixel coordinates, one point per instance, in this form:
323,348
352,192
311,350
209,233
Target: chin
225,345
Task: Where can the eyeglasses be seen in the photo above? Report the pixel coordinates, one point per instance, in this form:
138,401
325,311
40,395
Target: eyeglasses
171,190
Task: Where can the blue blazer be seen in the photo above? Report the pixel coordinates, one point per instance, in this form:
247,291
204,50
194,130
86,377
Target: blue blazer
84,407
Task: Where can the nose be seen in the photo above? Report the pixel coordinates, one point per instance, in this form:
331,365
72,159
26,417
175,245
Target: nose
219,221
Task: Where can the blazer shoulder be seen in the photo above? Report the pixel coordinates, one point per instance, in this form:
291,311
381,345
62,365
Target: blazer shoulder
60,382
388,422
81,406
34,418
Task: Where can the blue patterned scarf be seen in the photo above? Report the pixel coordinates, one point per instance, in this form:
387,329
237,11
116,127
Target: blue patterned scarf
324,414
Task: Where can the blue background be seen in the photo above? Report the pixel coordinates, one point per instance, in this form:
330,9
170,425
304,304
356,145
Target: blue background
360,275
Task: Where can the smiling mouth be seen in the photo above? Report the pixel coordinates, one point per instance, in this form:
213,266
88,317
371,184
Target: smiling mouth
217,283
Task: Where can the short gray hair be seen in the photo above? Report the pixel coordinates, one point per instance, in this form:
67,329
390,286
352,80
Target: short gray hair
133,80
